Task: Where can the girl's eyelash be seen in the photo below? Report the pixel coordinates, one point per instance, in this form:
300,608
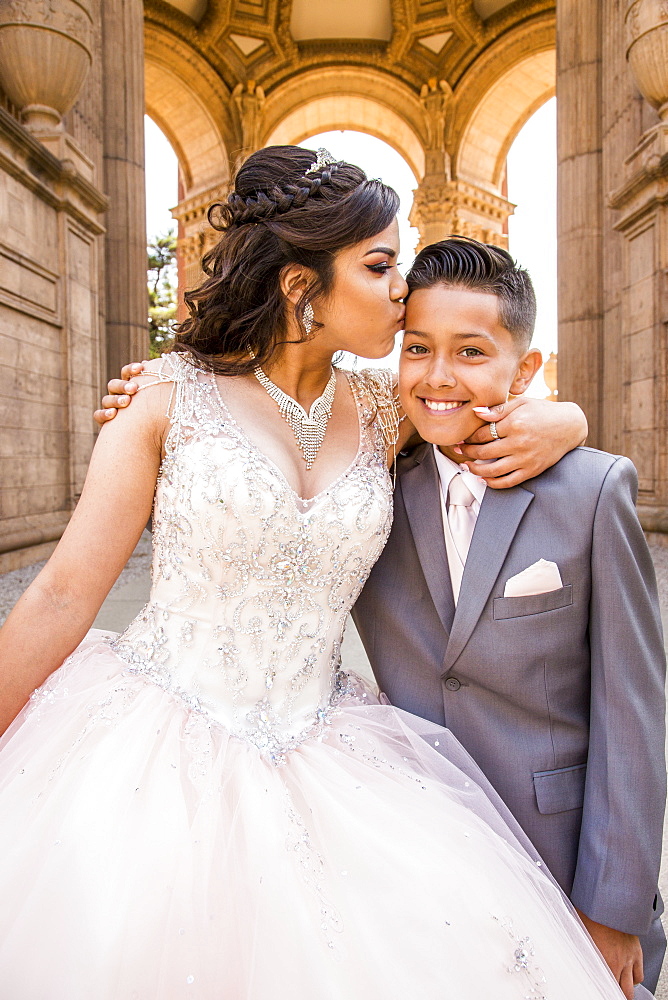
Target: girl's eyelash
379,268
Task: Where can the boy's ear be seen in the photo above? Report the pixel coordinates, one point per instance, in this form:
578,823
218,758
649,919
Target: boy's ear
527,368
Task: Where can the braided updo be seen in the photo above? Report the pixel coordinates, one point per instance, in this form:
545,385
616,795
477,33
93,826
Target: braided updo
277,215
282,197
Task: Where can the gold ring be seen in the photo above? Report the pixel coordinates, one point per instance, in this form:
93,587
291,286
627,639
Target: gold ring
493,431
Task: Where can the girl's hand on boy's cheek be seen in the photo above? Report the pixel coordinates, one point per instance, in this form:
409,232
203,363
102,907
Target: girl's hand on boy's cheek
533,434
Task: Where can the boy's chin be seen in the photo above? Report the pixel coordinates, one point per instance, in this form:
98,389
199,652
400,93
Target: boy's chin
454,435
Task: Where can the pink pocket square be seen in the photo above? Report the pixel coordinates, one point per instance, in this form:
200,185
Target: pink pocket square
540,578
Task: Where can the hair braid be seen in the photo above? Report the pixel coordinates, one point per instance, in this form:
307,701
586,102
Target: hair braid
280,198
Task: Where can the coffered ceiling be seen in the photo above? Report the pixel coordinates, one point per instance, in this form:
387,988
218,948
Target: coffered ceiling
266,41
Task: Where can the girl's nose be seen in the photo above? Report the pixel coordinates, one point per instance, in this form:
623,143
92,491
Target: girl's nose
398,288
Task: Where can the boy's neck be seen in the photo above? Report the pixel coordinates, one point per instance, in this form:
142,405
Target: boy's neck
448,451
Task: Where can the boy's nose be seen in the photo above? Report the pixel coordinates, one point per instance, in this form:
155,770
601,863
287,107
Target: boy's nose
439,377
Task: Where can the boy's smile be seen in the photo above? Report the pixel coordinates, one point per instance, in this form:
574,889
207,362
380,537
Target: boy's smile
456,355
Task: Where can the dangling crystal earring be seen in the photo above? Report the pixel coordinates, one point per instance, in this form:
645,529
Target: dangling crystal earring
308,318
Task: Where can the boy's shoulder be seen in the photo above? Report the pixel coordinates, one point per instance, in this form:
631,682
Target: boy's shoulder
585,470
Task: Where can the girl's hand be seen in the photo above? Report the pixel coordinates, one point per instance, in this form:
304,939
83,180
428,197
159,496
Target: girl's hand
533,434
120,392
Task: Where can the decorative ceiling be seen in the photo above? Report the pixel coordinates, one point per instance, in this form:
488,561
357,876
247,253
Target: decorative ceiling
314,19
267,41
238,73
488,7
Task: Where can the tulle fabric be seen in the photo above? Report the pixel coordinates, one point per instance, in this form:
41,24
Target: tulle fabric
149,855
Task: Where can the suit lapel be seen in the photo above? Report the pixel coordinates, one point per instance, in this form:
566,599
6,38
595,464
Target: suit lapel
500,515
421,494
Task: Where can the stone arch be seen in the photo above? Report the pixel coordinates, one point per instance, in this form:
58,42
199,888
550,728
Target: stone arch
364,101
189,102
514,81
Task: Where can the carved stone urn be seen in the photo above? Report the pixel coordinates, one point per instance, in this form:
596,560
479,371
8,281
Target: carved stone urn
647,50
45,54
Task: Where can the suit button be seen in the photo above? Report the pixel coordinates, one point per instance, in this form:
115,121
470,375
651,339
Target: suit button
452,684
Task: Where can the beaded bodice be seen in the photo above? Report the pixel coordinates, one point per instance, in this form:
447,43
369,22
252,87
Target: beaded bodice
251,585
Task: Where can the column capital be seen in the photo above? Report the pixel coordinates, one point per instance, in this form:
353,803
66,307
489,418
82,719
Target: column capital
443,208
194,208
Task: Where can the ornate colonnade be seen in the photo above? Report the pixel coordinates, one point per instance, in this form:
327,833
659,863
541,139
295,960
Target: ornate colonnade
448,83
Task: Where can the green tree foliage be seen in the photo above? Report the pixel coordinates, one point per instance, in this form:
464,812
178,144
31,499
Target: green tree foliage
161,273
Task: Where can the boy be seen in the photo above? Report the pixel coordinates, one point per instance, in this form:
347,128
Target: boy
526,620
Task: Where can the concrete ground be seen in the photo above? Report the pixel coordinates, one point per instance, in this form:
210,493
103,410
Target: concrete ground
131,591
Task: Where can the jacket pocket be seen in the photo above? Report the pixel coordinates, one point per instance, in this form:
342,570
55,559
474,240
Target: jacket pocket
534,604
557,791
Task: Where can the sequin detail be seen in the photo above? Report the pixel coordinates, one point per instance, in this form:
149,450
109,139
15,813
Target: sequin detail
523,964
251,585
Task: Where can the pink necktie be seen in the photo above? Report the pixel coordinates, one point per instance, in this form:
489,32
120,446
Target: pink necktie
461,516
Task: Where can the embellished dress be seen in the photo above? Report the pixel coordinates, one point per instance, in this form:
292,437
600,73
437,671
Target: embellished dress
207,807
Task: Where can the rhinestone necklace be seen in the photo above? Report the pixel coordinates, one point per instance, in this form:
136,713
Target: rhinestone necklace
308,428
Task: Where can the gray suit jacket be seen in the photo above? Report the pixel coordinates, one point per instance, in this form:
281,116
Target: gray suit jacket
559,697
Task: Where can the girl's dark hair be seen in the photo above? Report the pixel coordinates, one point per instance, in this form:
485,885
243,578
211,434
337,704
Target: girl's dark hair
277,215
466,263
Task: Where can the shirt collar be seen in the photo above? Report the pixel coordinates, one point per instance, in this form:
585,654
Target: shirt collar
447,470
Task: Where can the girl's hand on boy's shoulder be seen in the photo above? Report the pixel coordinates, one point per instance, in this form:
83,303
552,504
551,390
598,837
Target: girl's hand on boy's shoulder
533,435
119,392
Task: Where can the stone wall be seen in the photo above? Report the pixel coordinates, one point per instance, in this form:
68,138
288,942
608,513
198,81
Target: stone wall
613,232
50,231
54,343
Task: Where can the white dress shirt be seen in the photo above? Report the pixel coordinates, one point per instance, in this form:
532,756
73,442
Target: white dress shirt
447,470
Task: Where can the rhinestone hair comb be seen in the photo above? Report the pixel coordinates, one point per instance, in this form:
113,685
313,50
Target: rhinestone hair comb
323,158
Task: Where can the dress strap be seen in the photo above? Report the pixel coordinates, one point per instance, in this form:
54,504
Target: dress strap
194,398
378,387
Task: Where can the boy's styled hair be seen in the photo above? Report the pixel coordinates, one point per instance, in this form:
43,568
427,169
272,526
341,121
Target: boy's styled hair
465,263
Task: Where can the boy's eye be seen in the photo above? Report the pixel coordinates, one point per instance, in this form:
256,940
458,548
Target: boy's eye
416,349
471,352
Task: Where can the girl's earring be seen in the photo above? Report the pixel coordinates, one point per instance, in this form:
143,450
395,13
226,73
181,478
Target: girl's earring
308,318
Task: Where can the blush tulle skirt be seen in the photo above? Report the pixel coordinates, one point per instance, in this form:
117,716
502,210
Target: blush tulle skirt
146,854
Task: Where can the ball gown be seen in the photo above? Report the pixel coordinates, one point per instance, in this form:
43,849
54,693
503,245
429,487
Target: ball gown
207,807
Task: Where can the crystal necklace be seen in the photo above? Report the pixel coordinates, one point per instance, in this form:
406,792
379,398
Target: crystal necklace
308,428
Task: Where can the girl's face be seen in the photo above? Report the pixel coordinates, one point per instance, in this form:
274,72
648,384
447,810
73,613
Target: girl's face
364,310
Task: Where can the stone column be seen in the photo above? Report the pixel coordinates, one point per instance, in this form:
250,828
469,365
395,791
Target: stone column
51,219
123,123
443,206
195,236
640,203
613,231
579,222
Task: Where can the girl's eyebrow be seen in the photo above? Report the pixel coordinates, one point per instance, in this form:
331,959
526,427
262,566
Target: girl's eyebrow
386,250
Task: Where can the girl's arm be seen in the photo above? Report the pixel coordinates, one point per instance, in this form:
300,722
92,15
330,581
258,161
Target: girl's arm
534,434
54,614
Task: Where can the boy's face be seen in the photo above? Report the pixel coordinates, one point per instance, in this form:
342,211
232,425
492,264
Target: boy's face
456,355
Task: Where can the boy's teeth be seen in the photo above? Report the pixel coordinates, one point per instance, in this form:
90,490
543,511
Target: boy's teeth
433,404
